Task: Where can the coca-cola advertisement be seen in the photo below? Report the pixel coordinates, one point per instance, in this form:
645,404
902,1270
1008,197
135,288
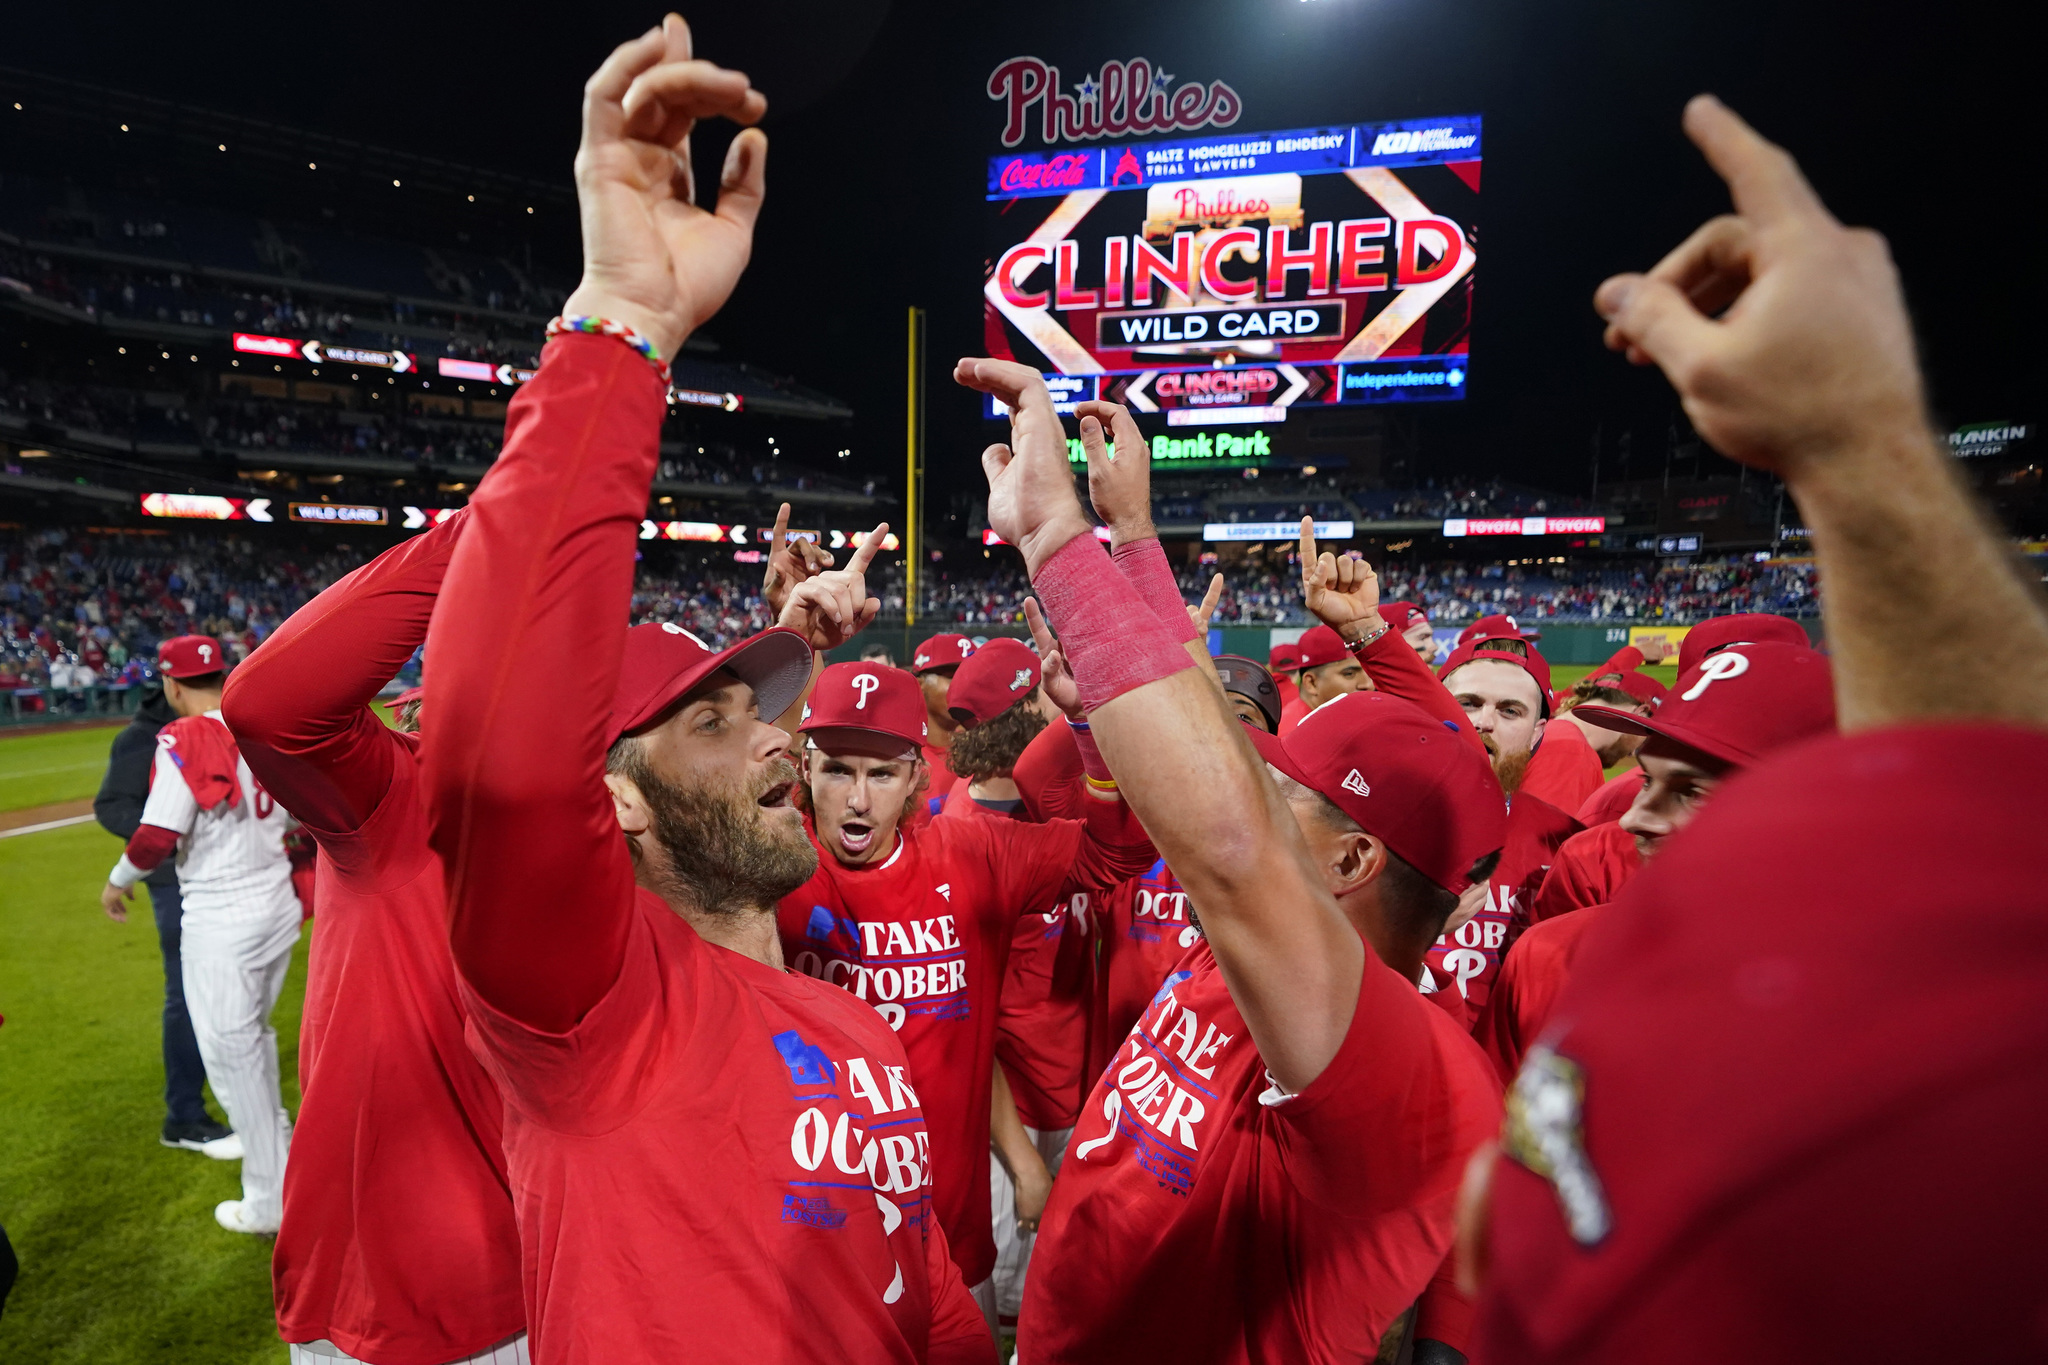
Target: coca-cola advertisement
1318,265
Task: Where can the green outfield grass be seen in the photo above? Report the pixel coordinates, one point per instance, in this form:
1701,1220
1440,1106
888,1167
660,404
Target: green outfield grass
38,767
120,1257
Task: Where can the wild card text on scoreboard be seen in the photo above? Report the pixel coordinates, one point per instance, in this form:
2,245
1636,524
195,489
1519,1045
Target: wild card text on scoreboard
1339,261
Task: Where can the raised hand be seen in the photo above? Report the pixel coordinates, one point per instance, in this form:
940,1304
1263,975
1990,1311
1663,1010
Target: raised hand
832,607
1341,591
651,258
1120,488
1784,332
1200,615
790,562
1054,673
1031,500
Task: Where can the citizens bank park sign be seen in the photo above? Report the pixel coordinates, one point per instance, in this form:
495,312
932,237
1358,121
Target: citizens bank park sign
1225,277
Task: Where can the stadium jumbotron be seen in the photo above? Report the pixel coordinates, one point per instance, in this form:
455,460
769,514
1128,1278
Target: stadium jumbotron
577,786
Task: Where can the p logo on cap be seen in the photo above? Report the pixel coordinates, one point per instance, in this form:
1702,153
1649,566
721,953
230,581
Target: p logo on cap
1727,664
864,683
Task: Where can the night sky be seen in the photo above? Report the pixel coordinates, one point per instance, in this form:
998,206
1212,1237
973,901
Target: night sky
1921,123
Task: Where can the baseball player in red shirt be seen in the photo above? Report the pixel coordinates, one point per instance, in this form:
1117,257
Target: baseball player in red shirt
1722,717
207,809
1259,1127
1411,623
1327,672
934,663
710,1156
1704,639
411,1261
1770,1124
1503,693
1284,662
919,922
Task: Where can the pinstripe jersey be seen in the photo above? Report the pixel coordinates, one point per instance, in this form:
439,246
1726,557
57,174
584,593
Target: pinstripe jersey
232,868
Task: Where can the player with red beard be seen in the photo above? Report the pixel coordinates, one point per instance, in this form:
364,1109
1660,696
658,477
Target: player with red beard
919,922
710,1156
1721,718
1268,1142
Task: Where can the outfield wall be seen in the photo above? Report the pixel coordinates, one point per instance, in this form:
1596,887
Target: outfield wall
1561,643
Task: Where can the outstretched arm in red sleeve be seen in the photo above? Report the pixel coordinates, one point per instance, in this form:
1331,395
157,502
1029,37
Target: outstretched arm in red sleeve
529,632
1344,594
299,708
1293,962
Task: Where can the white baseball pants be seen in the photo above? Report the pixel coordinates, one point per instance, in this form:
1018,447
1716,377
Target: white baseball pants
230,996
323,1352
1013,1248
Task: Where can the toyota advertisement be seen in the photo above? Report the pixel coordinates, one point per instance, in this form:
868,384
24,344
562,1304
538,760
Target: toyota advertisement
1230,277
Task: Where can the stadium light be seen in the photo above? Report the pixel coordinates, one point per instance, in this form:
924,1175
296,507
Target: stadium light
529,208
394,184
122,349
312,165
17,104
223,146
472,199
124,127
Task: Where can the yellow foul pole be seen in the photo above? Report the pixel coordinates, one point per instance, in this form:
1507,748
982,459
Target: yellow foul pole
913,471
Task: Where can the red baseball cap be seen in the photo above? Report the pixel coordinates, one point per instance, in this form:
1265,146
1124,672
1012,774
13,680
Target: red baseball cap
866,697
1644,688
1533,663
1320,645
190,656
1405,777
941,651
1738,705
663,663
995,677
1401,615
1284,658
411,694
1490,628
1750,627
1767,1045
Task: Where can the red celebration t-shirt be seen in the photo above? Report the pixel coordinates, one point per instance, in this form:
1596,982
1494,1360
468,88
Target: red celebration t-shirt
1591,868
1467,960
923,936
1201,1215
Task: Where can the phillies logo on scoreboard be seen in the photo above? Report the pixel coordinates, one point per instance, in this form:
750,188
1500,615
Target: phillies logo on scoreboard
1120,99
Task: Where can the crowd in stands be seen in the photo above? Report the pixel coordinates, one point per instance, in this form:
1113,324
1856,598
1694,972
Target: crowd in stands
78,608
249,426
167,294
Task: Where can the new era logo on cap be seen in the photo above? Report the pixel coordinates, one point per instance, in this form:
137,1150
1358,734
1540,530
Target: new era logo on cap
1356,784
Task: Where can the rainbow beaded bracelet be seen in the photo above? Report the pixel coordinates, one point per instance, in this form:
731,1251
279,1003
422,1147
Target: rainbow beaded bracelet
577,322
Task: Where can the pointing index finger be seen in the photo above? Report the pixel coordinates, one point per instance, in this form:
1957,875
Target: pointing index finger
1308,549
869,548
1762,177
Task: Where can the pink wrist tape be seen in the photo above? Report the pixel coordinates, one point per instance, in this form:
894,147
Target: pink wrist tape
1143,565
1091,757
1112,643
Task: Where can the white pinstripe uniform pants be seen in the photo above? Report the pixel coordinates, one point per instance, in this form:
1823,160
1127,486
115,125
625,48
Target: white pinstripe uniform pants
512,1352
230,996
1005,1287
